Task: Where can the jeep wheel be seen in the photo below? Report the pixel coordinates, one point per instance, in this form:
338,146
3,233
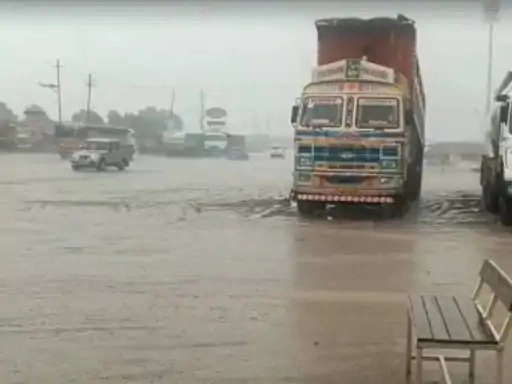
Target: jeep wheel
121,166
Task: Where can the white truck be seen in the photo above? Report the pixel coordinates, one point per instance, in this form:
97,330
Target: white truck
496,164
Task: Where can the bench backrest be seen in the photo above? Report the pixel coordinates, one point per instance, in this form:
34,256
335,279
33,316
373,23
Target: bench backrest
501,286
498,282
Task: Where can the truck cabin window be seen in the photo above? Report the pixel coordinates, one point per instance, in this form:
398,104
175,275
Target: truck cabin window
322,112
377,113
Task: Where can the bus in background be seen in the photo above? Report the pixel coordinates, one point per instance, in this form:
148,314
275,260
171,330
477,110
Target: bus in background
69,137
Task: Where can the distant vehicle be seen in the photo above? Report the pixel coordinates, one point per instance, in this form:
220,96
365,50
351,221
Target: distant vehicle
235,147
237,154
23,141
100,154
277,152
70,137
8,134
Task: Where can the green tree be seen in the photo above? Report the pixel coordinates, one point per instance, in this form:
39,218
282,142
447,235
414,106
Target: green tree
81,117
6,114
115,118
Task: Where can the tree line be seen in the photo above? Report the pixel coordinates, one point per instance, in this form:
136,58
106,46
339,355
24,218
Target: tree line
148,122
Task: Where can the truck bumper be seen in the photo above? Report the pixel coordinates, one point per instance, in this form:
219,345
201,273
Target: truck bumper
346,196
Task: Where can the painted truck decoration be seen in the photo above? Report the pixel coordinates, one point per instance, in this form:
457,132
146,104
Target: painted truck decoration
359,123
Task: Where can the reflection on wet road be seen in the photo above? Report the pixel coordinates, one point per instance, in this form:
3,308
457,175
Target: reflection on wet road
190,271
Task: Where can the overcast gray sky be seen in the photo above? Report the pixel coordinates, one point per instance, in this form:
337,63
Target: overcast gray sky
251,59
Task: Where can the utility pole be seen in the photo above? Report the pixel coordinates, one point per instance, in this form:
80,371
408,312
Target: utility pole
173,95
201,117
89,84
491,12
59,95
57,89
170,118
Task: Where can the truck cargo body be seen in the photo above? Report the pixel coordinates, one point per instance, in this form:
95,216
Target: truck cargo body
359,124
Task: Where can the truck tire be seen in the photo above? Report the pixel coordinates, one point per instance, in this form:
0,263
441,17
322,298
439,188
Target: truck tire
397,209
101,166
490,200
505,208
309,208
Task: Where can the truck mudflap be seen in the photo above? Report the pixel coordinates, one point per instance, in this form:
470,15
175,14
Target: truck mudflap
345,198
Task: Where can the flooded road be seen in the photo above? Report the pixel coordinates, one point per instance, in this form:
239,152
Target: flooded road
194,271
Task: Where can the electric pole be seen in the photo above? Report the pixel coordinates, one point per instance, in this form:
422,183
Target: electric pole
89,84
170,118
59,95
57,89
172,102
491,12
201,117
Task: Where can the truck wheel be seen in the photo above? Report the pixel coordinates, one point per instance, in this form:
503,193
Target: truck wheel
490,200
101,166
505,207
397,209
309,208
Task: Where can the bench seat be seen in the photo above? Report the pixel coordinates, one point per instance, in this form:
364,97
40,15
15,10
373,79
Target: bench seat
447,320
440,323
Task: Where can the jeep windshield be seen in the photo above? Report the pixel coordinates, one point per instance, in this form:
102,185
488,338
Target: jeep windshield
95,146
322,112
377,113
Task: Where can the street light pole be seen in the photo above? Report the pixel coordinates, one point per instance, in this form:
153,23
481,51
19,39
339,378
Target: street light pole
57,89
491,11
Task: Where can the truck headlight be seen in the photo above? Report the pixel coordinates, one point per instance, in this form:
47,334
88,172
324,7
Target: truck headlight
305,162
304,178
389,164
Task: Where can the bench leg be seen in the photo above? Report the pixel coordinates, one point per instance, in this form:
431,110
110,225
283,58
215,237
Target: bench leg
499,366
472,356
408,349
419,365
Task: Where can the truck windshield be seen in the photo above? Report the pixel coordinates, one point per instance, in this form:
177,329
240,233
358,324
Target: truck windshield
322,112
377,113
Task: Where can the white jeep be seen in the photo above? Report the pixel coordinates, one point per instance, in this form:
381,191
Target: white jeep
100,154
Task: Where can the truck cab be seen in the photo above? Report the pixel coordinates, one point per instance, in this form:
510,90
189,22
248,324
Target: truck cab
496,164
352,138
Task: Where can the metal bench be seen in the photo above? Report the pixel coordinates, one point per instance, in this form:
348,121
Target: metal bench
455,323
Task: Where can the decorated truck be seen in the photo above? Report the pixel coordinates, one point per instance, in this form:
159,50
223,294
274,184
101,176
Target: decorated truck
359,124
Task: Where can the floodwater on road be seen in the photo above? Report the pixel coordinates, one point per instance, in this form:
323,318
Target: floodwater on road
198,271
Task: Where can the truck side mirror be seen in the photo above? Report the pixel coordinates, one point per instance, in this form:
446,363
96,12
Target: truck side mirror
295,113
504,111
